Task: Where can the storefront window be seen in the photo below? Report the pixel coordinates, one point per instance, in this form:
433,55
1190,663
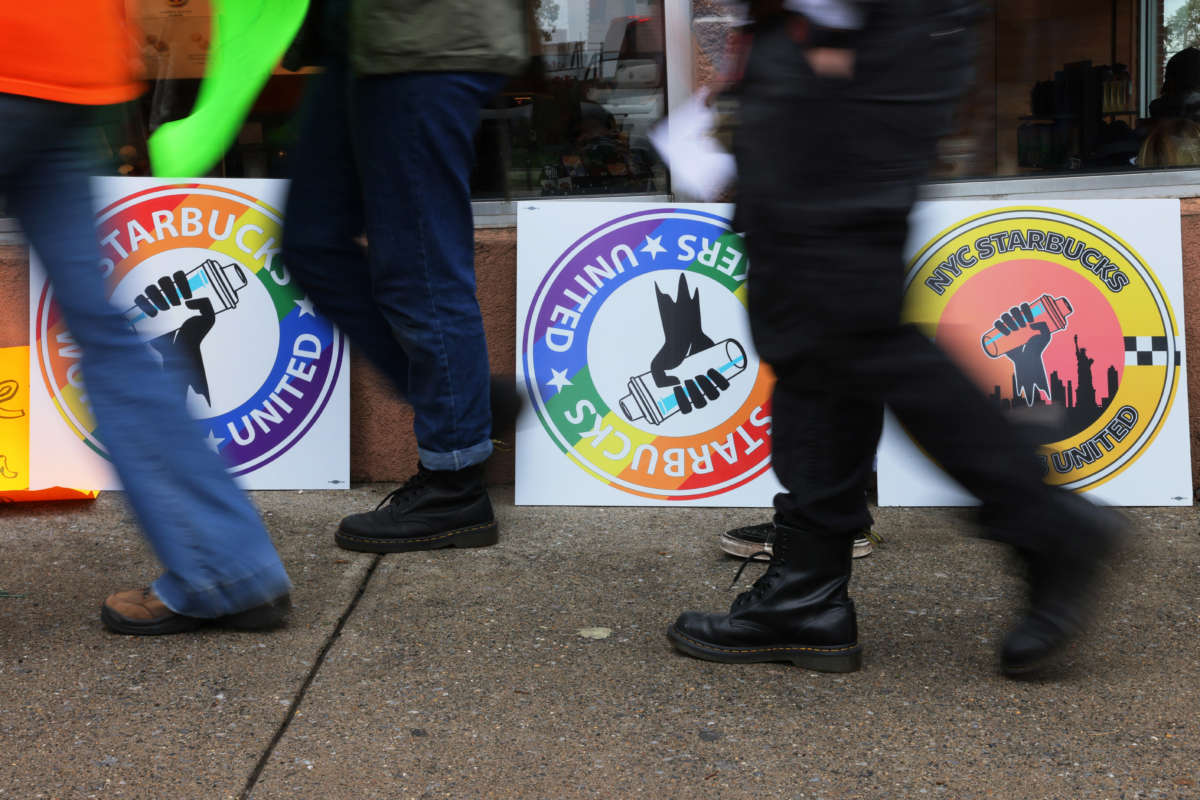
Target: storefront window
1062,87
1179,27
575,123
175,43
1077,86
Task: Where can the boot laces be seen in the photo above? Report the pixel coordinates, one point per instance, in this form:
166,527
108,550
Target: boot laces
404,490
751,559
763,582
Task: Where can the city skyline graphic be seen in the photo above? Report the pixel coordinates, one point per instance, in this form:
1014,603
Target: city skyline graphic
1077,397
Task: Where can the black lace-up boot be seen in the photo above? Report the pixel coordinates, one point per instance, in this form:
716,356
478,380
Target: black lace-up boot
433,509
1065,576
798,611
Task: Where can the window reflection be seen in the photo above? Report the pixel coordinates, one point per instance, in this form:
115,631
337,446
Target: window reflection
1172,134
1063,86
576,123
175,48
1060,89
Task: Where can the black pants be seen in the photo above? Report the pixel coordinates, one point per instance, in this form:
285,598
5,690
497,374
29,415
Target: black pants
829,171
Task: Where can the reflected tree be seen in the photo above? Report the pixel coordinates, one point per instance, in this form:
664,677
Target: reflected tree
1182,28
545,12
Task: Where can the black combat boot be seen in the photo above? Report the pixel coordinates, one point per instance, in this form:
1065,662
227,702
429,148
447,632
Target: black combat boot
434,508
1064,574
798,611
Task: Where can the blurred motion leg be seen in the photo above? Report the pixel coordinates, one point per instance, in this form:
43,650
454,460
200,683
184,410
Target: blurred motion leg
218,558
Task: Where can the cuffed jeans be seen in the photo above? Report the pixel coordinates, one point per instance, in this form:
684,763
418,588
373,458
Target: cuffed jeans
390,157
217,555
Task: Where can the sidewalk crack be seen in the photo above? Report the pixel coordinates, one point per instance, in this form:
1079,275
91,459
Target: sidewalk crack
265,758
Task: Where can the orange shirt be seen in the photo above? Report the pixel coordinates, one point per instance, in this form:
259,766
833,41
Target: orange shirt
71,51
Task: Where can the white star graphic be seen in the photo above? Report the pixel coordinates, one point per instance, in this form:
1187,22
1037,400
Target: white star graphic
214,441
306,306
653,247
559,380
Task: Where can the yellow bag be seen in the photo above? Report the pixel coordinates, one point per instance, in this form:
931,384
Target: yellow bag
14,435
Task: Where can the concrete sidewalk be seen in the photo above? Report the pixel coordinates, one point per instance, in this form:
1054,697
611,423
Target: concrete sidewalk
464,674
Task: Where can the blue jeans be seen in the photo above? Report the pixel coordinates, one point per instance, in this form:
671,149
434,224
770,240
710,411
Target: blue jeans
218,557
390,157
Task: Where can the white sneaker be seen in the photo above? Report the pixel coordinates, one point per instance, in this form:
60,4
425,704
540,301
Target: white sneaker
754,541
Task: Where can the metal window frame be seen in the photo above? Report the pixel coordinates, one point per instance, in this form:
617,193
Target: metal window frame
1166,183
677,40
1153,184
1148,57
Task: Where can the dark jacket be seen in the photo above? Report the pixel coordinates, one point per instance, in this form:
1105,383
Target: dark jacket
384,37
388,36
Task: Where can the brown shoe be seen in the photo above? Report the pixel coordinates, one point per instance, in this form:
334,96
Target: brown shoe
141,613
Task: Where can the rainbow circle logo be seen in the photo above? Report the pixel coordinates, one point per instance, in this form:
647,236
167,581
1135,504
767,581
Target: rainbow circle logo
197,272
637,357
1062,324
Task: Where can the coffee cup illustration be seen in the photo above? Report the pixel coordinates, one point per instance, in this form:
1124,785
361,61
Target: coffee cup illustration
219,284
653,403
1053,311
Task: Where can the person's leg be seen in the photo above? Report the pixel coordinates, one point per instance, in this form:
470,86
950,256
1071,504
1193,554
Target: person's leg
846,235
414,139
822,444
324,225
1062,538
792,133
850,337
844,232
218,557
822,450
416,130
